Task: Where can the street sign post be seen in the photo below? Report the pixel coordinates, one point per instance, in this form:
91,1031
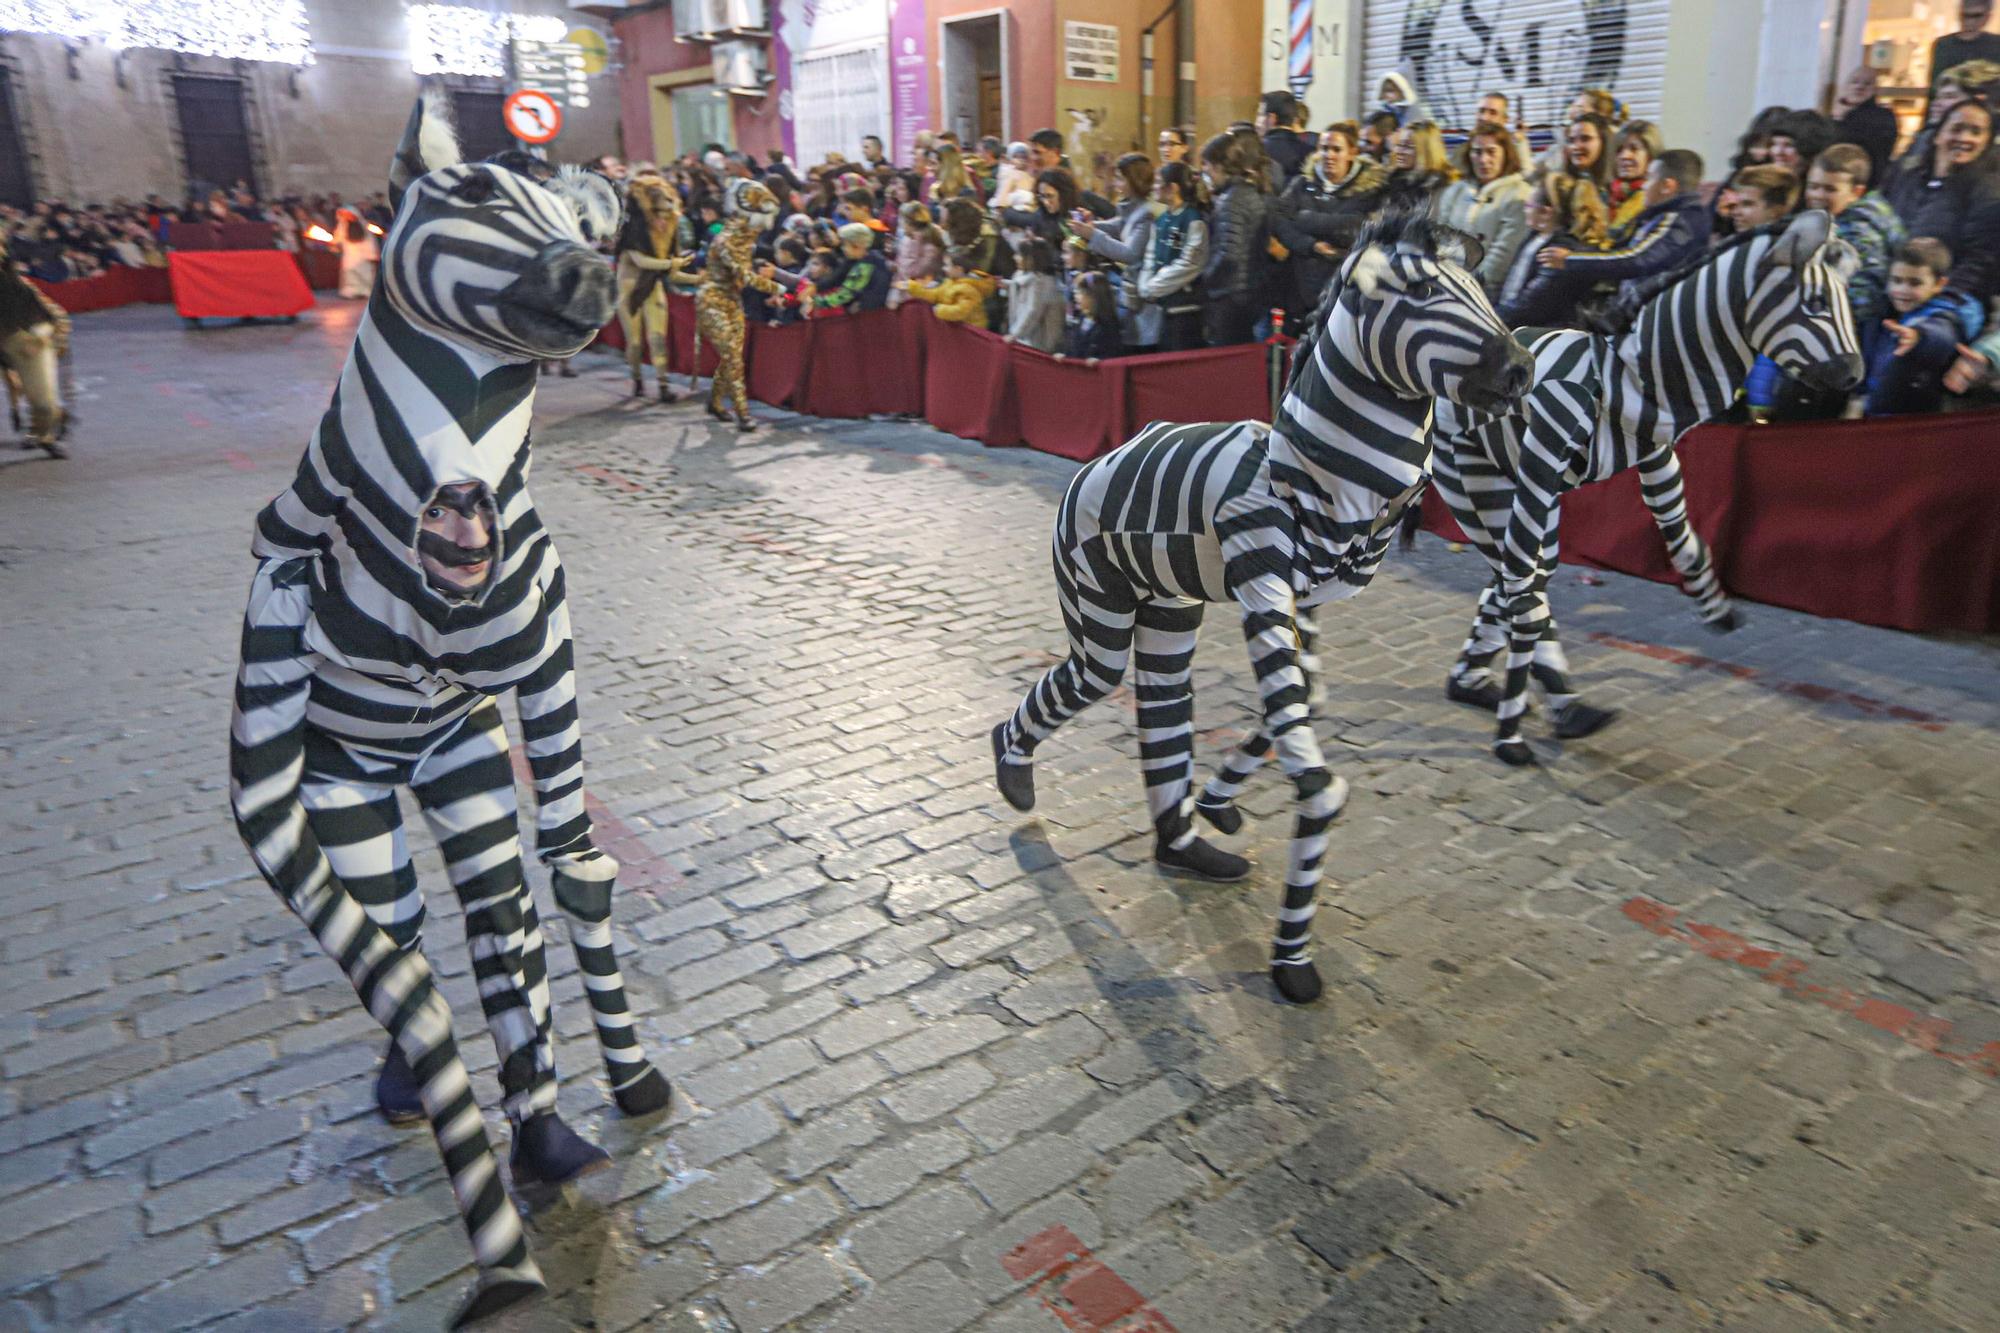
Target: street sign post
532,116
558,69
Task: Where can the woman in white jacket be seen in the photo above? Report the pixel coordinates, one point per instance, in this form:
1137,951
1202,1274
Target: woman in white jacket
1170,270
1489,200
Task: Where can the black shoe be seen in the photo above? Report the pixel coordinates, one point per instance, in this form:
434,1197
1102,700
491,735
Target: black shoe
645,1094
1224,817
1727,623
568,371
1298,983
1016,781
548,1152
496,1290
1515,753
1485,695
1579,719
744,425
668,395
638,388
1202,861
396,1093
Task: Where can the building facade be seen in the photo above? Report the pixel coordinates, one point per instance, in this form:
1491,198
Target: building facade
309,104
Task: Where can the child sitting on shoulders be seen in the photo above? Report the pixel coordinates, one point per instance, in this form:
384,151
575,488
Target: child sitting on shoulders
1035,297
961,297
1909,350
1093,324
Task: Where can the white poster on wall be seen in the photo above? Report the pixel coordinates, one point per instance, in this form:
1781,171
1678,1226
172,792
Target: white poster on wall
1090,52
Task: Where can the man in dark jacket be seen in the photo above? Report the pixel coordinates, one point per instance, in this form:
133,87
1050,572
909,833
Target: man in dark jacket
1865,122
1234,278
1321,211
1970,42
1046,150
1278,119
1673,229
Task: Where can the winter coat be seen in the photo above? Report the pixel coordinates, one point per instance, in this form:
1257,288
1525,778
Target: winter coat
1915,382
1313,209
1035,310
865,286
1962,210
1125,241
918,259
1871,226
1087,339
1665,236
1238,228
1544,298
1872,128
1170,276
957,300
1288,151
1497,213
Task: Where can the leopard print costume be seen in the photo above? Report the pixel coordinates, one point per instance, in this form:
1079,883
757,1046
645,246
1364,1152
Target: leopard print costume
647,264
748,209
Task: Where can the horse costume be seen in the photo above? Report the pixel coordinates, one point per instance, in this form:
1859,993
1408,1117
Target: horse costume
405,582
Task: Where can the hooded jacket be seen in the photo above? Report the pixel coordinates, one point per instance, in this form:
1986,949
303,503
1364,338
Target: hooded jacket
1497,213
1290,152
1871,226
1914,382
1035,310
1314,209
1665,236
957,300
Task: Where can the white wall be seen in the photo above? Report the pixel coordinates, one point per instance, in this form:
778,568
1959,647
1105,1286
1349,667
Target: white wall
1719,73
93,140
1336,57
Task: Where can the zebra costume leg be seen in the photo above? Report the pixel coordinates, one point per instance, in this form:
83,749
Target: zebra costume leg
466,791
1217,802
1100,612
1660,484
1162,679
1481,499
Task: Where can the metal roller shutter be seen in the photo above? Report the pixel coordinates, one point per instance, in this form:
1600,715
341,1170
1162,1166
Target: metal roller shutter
839,98
1538,52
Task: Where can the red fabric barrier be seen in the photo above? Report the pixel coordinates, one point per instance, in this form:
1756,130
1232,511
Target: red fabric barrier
321,267
1889,522
112,288
968,384
238,284
1218,384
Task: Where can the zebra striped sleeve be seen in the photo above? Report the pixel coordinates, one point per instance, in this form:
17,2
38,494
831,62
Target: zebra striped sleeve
552,733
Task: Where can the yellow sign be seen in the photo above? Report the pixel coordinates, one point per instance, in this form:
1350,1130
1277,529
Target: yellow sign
596,55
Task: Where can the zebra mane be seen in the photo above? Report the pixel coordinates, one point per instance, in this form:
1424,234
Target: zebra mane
1617,316
1391,227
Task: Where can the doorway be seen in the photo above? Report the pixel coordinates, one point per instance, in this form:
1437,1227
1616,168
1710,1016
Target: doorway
481,131
978,90
702,116
17,186
215,134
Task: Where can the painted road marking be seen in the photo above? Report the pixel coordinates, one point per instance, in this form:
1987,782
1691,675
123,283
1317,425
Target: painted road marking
1797,689
1077,1288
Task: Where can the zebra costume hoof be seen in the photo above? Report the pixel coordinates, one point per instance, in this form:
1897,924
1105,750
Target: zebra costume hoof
1015,780
646,1095
1515,754
1479,692
498,1289
1201,861
397,1095
1727,623
1224,818
1297,982
1579,719
548,1152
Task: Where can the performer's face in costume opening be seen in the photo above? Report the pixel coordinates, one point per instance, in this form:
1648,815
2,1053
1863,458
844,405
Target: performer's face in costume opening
455,545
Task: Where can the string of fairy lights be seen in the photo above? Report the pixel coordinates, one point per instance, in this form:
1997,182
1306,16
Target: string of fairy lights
443,38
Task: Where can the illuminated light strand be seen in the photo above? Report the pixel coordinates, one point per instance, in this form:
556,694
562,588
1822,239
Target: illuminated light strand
457,39
273,30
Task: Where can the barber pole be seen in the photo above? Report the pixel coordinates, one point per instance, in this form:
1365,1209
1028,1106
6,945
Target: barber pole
1299,68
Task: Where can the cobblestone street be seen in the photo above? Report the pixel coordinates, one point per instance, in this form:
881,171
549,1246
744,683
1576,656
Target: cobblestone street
1693,1027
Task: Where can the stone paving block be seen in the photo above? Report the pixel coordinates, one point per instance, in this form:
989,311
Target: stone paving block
124,1275
732,1080
707,1141
829,933
1136,1112
930,1095
887,1173
777,1224
233,1284
214,1147
828,1138
1029,1170
862,1028
284,1208
1261,1290
226,1187
1507,1302
1023,1104
925,1224
374,1225
762,1301
702,1196
831,1085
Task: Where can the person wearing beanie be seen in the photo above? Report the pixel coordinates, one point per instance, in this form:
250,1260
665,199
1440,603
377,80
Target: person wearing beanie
866,286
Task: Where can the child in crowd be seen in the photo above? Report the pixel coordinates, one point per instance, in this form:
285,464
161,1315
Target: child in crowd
1035,297
920,248
865,285
1838,183
1093,325
790,273
1014,187
961,298
1911,348
858,207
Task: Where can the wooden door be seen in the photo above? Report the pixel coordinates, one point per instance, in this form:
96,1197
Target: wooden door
990,106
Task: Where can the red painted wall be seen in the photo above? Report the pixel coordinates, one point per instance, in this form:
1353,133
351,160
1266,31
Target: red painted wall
647,47
1031,37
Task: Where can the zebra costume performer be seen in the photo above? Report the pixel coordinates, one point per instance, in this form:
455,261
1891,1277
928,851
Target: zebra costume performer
1603,404
405,580
1273,518
748,211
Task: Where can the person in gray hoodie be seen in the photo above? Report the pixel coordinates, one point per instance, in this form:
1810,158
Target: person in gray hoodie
1035,298
1124,241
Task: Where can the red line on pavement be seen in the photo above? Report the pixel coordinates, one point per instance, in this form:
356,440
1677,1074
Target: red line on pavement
639,866
605,474
239,460
1926,1032
1797,689
1077,1288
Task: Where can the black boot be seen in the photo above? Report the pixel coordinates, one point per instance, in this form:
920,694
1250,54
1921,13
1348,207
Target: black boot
1578,719
638,387
396,1092
1728,622
1484,695
548,1152
1016,781
645,1095
1223,816
1201,861
567,371
1298,983
668,395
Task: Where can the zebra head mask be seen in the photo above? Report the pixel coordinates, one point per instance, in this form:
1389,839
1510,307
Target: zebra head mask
1408,311
498,256
1799,315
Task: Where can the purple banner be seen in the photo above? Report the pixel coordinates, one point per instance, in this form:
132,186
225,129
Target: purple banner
909,78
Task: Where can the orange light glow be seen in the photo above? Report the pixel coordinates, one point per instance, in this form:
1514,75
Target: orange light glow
319,233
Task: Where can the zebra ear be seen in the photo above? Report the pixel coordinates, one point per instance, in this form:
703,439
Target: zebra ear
1369,271
430,141
1802,239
